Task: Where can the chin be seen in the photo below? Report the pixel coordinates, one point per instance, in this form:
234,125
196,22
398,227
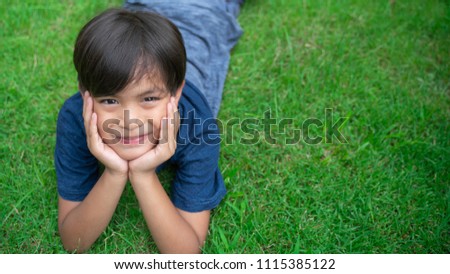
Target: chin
129,154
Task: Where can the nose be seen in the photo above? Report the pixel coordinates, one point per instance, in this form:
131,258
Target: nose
131,120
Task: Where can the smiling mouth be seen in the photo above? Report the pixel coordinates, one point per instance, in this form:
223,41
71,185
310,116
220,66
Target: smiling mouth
135,140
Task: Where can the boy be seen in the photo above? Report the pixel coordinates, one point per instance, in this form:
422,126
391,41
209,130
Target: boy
142,105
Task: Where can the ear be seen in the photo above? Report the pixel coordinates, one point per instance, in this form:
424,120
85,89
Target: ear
83,93
81,89
178,93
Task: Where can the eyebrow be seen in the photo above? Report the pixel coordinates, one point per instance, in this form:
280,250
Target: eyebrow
150,91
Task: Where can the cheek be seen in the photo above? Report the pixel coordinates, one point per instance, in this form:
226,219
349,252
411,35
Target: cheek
155,120
155,128
107,126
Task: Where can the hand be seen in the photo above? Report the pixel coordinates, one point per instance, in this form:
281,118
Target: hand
105,154
164,149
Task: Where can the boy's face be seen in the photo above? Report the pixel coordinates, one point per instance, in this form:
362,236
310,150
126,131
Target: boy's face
130,121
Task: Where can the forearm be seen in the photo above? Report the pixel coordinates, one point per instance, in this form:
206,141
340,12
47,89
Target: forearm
169,229
83,225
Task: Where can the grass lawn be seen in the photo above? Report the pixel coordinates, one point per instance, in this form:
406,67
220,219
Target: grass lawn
380,69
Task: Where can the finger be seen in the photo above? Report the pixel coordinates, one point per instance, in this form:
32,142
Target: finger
166,124
171,125
164,137
87,109
93,131
84,97
176,121
172,101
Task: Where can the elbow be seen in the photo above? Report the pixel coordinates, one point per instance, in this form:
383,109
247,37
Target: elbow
195,247
182,251
75,247
72,241
73,244
194,250
185,248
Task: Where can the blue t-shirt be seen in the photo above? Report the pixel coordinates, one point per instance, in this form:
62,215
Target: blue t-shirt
198,184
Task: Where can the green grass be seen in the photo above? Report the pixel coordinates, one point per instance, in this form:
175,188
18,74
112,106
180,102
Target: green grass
385,68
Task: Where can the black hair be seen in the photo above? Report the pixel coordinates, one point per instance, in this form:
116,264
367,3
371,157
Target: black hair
119,46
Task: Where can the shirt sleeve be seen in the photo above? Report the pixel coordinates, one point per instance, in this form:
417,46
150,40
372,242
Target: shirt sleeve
76,168
198,183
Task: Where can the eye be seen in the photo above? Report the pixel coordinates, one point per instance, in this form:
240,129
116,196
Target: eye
109,101
150,99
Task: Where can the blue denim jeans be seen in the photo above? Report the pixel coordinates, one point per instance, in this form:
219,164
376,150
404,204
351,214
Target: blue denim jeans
210,30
